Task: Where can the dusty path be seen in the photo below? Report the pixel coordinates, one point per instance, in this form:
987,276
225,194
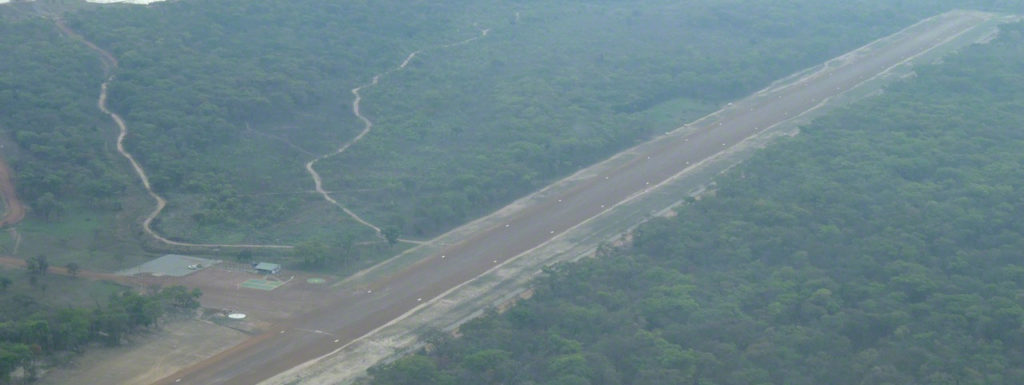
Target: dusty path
110,64
16,236
15,209
367,127
357,312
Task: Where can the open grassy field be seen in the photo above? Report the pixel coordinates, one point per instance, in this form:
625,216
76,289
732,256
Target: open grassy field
56,291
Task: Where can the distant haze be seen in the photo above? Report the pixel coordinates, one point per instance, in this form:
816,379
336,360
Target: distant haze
99,1
119,1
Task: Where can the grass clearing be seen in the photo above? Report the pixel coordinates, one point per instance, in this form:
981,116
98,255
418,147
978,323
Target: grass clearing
58,290
261,284
93,239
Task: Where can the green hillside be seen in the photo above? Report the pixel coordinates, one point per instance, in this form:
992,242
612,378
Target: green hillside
880,246
226,101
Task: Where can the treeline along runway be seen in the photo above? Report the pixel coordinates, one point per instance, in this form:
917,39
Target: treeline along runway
357,313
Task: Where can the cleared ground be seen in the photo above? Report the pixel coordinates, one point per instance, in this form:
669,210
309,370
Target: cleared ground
147,356
179,344
170,265
352,312
236,287
235,290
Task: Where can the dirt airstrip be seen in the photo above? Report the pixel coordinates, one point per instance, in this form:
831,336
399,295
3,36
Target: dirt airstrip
354,313
349,312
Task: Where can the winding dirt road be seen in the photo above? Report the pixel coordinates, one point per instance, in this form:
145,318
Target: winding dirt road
356,313
110,64
15,209
367,127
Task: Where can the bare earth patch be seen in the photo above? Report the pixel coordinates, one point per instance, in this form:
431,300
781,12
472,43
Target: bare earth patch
181,343
222,289
148,356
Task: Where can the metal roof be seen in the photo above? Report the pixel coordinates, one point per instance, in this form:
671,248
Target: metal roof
267,266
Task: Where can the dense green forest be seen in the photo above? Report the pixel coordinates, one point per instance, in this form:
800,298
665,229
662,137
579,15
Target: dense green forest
488,126
226,100
233,97
882,245
48,86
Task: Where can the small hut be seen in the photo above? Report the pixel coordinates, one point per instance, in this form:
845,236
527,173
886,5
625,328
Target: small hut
268,268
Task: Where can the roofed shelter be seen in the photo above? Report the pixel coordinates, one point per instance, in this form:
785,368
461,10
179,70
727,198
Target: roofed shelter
268,268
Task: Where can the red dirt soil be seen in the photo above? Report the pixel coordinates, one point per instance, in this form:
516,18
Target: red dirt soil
15,209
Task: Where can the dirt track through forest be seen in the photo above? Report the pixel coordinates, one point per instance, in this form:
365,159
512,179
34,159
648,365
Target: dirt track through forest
367,127
15,210
109,65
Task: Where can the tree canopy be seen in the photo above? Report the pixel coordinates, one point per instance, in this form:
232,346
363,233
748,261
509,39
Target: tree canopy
882,245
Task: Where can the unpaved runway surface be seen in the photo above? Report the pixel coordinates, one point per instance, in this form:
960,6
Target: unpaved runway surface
354,313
